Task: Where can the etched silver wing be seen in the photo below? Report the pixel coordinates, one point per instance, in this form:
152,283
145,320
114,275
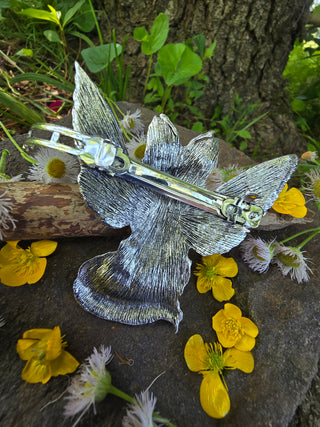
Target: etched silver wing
141,281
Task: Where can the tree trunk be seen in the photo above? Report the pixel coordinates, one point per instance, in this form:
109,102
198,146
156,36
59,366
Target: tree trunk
254,39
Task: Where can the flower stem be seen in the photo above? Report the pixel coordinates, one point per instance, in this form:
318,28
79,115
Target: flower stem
3,160
308,238
115,391
23,154
299,234
148,76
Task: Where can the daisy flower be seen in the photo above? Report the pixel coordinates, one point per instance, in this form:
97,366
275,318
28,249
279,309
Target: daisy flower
54,166
291,260
257,253
132,122
312,189
6,220
137,146
91,385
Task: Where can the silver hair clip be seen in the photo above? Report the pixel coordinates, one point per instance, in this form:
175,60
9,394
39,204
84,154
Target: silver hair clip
105,155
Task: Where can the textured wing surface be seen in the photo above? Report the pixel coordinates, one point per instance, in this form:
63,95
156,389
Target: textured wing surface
265,181
198,159
208,234
141,282
91,114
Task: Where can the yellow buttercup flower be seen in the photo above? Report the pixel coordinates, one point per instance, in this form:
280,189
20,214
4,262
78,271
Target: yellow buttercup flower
233,330
19,266
290,202
212,275
44,351
209,361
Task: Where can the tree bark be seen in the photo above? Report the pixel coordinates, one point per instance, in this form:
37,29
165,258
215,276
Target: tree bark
254,39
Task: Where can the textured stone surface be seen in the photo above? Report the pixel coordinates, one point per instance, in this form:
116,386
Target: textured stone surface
286,354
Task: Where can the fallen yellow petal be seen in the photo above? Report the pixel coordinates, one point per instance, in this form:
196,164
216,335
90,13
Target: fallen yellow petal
237,359
214,397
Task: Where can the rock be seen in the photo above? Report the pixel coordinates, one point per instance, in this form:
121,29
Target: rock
286,353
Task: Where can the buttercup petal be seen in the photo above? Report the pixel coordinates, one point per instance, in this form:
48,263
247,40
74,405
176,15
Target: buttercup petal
222,289
13,275
64,364
37,334
195,354
226,341
214,397
54,347
36,372
218,320
203,285
236,359
246,343
249,327
226,267
35,274
43,247
25,348
231,310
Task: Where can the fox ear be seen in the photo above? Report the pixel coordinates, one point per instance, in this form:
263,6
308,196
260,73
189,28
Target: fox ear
91,114
265,181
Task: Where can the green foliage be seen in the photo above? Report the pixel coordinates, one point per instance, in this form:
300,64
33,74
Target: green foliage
99,57
152,42
303,73
234,125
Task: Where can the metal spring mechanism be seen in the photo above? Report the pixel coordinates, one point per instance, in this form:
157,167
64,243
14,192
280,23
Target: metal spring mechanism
103,154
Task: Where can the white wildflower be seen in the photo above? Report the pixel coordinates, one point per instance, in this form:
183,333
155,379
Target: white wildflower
132,122
6,207
137,146
257,253
140,411
91,385
309,155
16,178
54,166
291,260
312,188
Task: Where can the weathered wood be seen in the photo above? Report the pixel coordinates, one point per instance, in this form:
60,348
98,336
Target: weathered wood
44,211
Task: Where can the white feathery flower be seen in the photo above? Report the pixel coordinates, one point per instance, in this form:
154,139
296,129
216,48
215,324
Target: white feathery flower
132,122
309,156
13,179
312,188
54,166
140,411
6,207
90,385
257,253
291,260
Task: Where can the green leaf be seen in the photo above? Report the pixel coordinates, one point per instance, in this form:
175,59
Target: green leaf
209,50
200,43
140,34
99,57
52,36
243,145
36,77
177,64
84,20
40,14
25,52
19,108
152,42
198,127
71,12
244,134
